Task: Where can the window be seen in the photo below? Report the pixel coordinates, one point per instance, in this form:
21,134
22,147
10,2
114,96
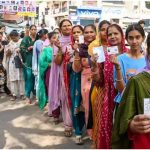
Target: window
147,4
114,1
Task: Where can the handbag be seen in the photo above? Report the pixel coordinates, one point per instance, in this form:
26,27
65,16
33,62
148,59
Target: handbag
18,62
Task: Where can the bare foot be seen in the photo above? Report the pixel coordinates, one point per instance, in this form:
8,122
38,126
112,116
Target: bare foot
28,101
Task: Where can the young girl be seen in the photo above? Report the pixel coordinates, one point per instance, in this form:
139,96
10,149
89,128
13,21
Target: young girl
15,75
45,60
128,63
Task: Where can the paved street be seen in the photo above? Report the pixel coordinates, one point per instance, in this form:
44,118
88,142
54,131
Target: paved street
24,126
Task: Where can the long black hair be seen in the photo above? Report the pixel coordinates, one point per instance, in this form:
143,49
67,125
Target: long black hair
148,46
90,25
41,33
102,23
51,34
64,20
133,27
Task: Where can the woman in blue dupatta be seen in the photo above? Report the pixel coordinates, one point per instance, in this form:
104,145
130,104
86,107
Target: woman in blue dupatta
37,48
44,71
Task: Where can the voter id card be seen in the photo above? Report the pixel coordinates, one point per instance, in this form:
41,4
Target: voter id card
112,50
100,52
147,106
81,39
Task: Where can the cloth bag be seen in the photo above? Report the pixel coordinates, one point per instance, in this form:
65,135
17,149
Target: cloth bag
18,62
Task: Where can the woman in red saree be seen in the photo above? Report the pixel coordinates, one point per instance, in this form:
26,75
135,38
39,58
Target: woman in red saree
104,103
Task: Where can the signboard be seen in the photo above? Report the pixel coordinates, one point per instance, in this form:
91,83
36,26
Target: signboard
89,13
73,13
20,7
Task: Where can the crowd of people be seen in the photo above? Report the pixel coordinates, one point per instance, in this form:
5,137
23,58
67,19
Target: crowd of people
61,72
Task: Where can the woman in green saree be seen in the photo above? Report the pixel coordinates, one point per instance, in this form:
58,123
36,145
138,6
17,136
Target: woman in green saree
132,124
44,71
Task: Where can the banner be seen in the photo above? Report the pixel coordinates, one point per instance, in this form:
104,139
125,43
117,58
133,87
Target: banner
20,7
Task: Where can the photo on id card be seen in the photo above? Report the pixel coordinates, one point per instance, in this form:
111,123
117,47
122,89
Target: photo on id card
100,52
147,106
112,50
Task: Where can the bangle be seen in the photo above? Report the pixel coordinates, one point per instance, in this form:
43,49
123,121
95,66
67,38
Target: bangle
119,80
118,68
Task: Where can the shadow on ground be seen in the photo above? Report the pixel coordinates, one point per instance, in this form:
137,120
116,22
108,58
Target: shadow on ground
24,126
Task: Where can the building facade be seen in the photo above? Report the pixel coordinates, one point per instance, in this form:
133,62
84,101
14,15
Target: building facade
89,11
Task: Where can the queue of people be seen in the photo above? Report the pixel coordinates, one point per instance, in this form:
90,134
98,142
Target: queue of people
85,77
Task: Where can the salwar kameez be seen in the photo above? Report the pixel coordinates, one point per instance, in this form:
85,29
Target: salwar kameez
76,101
37,48
15,75
27,68
86,82
3,74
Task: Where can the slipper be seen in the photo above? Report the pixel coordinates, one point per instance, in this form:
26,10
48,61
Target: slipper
68,132
13,98
56,121
79,140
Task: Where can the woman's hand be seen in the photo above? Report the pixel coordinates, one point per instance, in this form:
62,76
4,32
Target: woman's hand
8,53
30,48
94,58
114,60
58,44
95,75
75,46
140,124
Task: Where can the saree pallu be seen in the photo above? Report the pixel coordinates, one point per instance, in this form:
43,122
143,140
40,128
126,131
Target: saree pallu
132,104
47,76
104,107
66,73
97,107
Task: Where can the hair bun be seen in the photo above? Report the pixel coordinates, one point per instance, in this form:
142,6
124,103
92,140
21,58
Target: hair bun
83,51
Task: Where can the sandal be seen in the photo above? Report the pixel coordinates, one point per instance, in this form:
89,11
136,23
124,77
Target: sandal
79,140
56,121
13,98
68,132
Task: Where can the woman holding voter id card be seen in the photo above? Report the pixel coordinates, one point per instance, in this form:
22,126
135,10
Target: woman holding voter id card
82,63
132,121
73,82
128,63
104,103
58,100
